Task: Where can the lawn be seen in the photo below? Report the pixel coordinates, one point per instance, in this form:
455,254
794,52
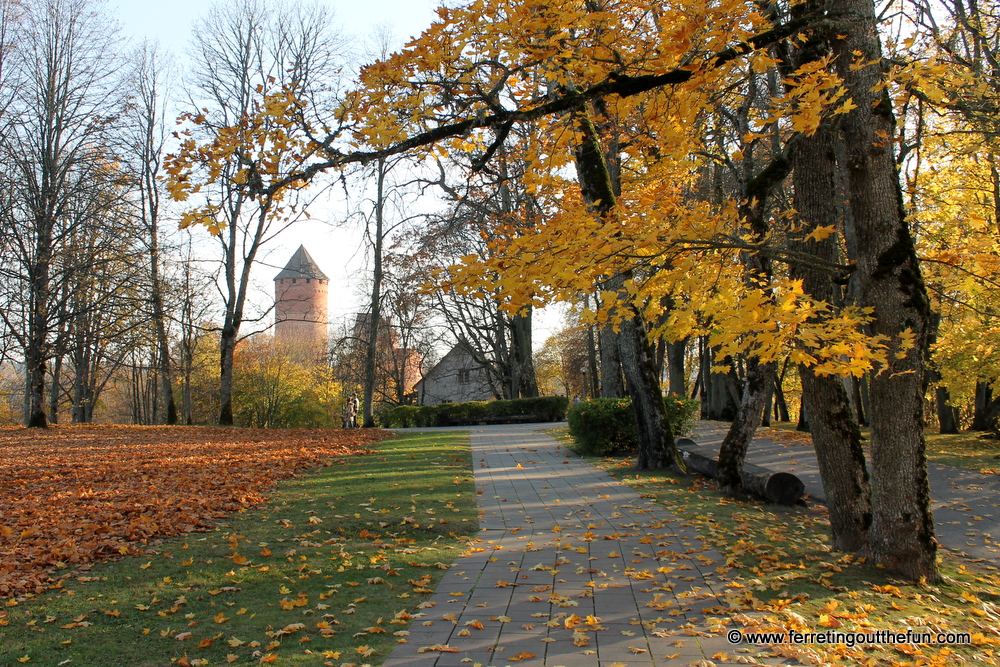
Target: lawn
966,449
332,568
781,575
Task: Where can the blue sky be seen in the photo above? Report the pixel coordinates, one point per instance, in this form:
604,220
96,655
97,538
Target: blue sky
170,22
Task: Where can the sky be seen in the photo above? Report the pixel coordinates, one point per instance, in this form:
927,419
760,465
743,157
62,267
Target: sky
335,245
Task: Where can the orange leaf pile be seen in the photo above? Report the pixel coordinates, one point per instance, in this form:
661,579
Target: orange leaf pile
71,495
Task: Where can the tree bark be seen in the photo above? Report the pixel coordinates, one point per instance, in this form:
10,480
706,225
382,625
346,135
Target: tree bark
902,532
375,304
984,396
734,448
780,404
676,377
521,355
835,434
768,403
612,385
947,415
657,449
54,390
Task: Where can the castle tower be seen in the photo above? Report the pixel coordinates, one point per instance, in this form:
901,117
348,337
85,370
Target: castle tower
300,298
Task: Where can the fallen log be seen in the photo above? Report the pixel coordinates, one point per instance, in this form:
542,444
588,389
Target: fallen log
780,488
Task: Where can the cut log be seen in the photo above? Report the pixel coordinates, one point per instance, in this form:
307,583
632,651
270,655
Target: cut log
780,488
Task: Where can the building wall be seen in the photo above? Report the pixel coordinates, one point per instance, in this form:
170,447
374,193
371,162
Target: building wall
300,310
455,379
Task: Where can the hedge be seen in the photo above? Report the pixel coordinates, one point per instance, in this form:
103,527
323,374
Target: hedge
606,426
545,408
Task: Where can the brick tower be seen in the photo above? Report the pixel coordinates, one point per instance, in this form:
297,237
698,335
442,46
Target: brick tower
300,298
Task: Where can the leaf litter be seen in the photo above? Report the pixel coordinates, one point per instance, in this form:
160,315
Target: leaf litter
71,495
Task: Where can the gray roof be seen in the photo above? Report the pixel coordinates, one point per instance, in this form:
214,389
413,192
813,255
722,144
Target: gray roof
301,265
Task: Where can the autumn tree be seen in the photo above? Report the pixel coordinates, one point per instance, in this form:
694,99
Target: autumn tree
280,388
665,64
242,52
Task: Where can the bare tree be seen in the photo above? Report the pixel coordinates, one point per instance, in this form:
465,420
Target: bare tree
241,49
148,135
67,99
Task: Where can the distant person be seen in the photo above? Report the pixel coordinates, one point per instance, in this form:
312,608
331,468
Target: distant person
350,413
355,409
576,400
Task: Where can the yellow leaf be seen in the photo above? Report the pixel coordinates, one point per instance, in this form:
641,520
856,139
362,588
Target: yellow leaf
820,233
829,621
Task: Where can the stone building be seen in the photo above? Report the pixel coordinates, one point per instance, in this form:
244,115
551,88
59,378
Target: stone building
300,302
455,379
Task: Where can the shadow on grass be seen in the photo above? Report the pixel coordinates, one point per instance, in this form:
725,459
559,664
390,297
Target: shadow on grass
331,570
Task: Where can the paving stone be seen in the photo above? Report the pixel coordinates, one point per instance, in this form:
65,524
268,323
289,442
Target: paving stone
551,517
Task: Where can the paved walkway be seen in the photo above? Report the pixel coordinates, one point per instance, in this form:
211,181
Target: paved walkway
564,544
965,503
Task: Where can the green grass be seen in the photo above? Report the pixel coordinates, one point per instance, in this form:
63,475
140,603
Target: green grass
782,574
323,574
962,450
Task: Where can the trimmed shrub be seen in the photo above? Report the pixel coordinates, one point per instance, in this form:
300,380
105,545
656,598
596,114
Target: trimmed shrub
606,426
682,413
603,426
546,408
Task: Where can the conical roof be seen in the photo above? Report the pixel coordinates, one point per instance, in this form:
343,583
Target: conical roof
301,265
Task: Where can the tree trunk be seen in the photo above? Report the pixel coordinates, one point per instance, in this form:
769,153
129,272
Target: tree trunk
657,449
521,356
720,400
859,400
902,532
835,434
36,355
159,324
841,460
768,403
227,349
612,385
676,377
375,305
656,443
984,396
54,391
780,404
947,415
734,448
